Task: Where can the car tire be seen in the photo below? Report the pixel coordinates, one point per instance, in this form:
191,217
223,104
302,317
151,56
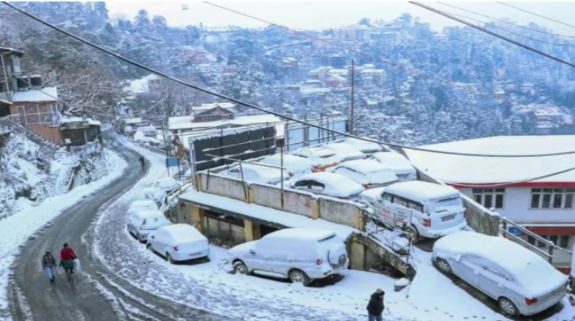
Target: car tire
241,268
507,307
413,234
298,276
442,265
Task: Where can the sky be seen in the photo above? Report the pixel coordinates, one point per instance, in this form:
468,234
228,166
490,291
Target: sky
329,14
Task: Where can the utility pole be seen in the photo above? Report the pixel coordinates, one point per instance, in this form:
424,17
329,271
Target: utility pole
351,116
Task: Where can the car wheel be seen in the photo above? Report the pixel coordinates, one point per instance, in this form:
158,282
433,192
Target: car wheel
169,258
412,234
507,307
149,246
297,276
240,267
442,265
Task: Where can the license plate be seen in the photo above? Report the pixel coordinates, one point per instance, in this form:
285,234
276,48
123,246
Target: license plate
447,217
196,254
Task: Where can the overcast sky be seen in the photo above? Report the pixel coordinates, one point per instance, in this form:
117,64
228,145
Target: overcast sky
329,14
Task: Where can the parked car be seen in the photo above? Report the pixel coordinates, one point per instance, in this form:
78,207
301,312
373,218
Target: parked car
179,242
167,184
320,157
256,173
369,173
423,209
298,254
294,165
397,163
151,193
367,148
345,152
142,205
142,222
328,184
518,279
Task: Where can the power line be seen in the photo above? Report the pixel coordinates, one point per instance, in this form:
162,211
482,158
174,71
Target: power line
279,115
445,14
536,14
506,21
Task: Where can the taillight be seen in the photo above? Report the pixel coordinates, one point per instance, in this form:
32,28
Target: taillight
366,186
290,174
427,222
175,248
530,301
318,261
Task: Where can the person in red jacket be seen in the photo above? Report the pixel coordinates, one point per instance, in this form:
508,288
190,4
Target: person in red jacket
67,257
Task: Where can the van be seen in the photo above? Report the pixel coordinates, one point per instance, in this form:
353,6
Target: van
142,222
179,242
423,209
298,254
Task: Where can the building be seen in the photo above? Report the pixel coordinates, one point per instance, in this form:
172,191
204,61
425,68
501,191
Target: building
523,189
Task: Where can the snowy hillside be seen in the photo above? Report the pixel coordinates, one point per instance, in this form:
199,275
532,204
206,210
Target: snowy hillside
30,173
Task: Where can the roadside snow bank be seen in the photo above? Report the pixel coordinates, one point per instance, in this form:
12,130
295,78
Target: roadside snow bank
16,229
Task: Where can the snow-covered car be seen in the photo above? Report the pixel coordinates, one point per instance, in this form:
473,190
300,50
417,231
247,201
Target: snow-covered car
256,173
142,222
151,193
299,254
328,184
320,157
294,165
422,209
369,173
519,280
167,184
367,148
142,205
345,152
397,163
179,242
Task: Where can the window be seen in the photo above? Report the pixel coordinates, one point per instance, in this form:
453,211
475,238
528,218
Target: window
489,197
552,197
387,197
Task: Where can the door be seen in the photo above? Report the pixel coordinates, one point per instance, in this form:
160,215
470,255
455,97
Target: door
491,279
467,269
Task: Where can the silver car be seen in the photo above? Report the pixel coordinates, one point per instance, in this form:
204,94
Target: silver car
519,280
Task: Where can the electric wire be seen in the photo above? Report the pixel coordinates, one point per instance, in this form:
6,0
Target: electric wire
450,16
264,110
536,14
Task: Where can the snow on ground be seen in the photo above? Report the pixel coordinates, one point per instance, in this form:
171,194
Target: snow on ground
16,229
431,296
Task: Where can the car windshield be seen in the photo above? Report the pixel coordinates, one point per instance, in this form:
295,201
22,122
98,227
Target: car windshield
445,202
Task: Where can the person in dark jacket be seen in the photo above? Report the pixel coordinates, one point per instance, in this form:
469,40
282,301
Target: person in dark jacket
67,257
375,306
48,265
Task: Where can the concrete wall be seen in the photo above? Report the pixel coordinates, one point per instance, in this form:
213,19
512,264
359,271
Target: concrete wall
270,196
339,212
223,186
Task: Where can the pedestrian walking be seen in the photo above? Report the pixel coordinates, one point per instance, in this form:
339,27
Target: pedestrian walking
67,257
142,163
48,265
375,306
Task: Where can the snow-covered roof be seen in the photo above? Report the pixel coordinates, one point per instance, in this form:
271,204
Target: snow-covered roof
394,161
527,267
182,233
485,170
139,86
264,213
135,120
90,121
421,191
305,234
186,122
36,95
204,107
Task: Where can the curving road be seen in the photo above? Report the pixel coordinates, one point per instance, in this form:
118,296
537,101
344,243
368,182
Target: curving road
95,293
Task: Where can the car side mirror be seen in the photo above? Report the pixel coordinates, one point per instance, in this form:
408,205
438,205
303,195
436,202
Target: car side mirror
252,251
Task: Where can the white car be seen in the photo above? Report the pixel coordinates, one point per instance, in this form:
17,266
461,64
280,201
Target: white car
320,157
369,173
397,163
151,193
299,254
142,205
329,184
256,173
345,152
367,148
294,165
519,280
142,222
179,242
167,184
